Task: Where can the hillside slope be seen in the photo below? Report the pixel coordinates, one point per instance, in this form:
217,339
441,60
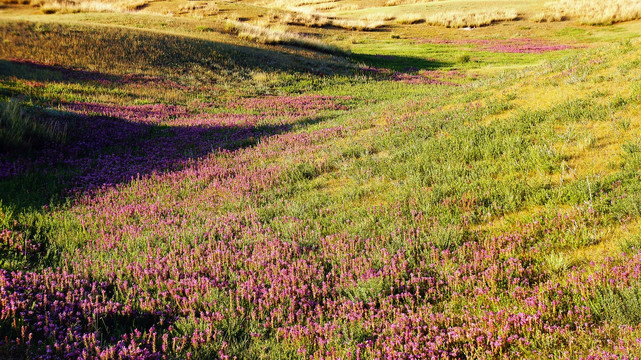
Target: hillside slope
216,198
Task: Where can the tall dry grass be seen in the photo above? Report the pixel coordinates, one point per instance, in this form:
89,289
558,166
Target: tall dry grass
547,17
265,35
199,8
407,19
294,4
306,19
317,20
461,19
595,12
358,24
405,2
14,2
65,6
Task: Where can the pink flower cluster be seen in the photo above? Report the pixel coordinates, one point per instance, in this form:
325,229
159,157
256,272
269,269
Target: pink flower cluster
339,295
193,243
109,144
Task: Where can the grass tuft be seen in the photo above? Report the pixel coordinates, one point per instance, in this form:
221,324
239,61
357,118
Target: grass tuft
264,35
20,130
621,305
361,25
409,19
306,19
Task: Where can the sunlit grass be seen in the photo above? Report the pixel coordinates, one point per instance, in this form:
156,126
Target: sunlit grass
604,12
460,19
55,6
283,203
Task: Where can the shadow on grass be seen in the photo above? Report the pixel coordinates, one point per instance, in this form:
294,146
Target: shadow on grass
104,150
107,150
116,50
107,144
37,72
399,63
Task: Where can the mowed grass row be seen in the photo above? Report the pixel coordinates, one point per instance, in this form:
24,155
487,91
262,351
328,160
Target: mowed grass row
354,215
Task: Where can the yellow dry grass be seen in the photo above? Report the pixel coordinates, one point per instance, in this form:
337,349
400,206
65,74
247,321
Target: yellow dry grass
312,19
461,19
363,25
547,17
407,19
300,5
65,6
405,2
306,19
601,12
202,8
265,35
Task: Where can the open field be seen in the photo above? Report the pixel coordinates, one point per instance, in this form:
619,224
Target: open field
314,179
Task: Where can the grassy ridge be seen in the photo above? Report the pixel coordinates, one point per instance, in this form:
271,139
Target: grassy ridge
209,202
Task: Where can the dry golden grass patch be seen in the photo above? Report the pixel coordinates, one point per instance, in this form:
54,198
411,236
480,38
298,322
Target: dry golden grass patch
312,19
347,7
300,4
264,35
461,19
361,24
547,17
407,19
405,2
67,6
601,12
306,19
203,8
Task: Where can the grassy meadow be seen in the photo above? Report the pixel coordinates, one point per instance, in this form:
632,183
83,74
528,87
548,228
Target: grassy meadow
320,179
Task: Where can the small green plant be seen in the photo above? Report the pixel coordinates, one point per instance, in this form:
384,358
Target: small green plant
203,28
621,305
624,124
465,58
632,155
558,262
301,172
630,244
